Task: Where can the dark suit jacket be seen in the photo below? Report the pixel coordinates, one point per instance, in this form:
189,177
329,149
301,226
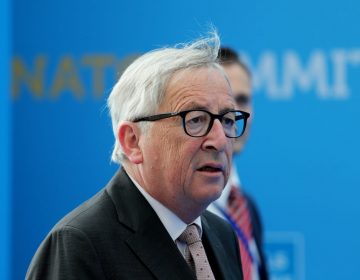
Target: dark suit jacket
258,235
117,235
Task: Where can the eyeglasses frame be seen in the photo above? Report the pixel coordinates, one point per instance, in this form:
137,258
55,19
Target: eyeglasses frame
244,115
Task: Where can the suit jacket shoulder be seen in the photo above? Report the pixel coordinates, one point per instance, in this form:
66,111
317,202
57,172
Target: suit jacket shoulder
117,235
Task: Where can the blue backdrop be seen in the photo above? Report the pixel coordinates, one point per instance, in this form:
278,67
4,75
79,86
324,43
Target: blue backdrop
301,160
5,152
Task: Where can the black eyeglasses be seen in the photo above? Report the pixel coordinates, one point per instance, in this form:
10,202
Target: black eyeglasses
198,123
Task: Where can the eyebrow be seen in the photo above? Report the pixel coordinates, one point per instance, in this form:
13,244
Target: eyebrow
195,106
226,110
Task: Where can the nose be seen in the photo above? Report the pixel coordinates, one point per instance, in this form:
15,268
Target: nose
216,138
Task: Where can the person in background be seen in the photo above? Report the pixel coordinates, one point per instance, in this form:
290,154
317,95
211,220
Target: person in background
235,205
174,120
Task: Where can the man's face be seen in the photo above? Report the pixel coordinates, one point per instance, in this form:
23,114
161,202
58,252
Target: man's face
187,173
241,87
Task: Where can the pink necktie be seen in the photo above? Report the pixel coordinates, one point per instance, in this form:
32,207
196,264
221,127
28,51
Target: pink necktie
195,253
239,213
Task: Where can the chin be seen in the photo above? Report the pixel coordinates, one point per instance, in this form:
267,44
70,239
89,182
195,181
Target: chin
208,190
216,194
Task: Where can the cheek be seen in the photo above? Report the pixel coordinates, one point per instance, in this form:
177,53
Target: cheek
184,159
175,153
230,149
172,157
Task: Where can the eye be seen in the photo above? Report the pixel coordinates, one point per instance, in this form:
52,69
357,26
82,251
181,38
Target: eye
228,120
196,121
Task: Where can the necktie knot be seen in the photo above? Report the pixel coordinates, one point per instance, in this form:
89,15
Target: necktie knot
195,254
190,235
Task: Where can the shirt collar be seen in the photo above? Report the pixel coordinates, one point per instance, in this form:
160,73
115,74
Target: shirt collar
172,223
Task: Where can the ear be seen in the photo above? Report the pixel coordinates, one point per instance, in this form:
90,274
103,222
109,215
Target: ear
128,135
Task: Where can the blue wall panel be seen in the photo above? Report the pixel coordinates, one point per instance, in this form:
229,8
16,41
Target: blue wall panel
5,152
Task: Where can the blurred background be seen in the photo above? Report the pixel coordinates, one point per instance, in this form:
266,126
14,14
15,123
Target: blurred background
301,162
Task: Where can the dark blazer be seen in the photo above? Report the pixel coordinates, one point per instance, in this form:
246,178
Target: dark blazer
257,231
117,235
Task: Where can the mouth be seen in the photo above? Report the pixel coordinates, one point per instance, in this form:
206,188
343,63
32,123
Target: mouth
211,168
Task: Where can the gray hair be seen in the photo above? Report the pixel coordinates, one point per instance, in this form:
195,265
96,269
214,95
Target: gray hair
141,88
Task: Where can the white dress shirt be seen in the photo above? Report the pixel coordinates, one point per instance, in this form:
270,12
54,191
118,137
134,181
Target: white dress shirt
172,223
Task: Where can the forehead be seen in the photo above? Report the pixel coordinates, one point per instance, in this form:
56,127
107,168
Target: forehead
205,88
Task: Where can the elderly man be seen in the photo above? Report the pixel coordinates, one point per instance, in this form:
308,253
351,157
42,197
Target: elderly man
174,122
234,204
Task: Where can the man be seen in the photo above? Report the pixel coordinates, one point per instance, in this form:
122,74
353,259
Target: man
234,204
174,122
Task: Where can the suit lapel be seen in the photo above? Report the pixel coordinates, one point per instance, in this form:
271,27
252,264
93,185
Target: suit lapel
160,254
148,238
216,249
